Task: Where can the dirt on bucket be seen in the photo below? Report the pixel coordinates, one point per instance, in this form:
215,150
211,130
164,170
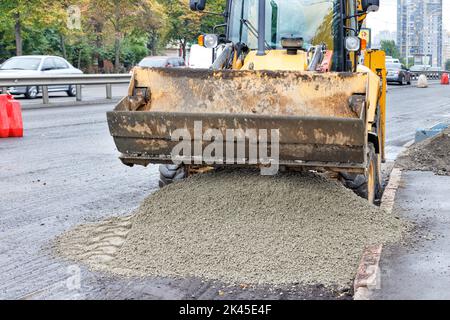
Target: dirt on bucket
239,227
429,155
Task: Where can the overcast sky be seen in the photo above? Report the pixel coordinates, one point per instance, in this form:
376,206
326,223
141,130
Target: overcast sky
386,18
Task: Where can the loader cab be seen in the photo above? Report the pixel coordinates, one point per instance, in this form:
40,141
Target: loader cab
332,23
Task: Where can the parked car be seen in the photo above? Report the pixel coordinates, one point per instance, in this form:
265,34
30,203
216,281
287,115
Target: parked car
162,62
392,60
36,66
397,72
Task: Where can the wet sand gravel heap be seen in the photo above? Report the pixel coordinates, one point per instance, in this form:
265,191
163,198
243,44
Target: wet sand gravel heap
239,227
429,155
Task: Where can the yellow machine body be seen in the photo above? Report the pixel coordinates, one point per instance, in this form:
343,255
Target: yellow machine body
326,120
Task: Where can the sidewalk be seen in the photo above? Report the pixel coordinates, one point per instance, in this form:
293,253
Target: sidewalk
420,269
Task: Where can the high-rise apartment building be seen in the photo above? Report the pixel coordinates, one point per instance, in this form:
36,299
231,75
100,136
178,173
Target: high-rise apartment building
384,35
446,47
419,24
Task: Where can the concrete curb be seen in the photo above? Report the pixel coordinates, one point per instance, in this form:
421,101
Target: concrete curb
368,272
71,104
368,275
390,192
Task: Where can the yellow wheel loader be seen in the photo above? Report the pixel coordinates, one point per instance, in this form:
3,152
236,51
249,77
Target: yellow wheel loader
294,67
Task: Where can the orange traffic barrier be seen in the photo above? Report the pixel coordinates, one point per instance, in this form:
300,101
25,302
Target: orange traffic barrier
11,123
4,119
15,118
445,79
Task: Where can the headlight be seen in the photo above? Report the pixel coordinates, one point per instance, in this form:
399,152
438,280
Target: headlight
352,43
211,41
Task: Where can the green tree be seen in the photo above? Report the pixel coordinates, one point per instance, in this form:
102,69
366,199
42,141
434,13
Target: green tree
121,31
21,17
447,65
184,26
124,17
390,48
209,21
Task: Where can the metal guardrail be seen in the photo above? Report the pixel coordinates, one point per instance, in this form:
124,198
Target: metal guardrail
77,80
431,75
108,80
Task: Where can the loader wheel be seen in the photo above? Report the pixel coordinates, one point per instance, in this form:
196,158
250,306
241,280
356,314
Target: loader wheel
367,186
169,174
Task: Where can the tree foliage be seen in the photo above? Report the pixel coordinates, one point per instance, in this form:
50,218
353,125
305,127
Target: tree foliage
390,48
120,32
19,20
184,26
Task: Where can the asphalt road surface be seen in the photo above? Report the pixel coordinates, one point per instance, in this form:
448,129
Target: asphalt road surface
65,172
411,108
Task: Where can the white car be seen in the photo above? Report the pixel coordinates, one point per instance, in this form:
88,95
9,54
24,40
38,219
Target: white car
392,60
36,66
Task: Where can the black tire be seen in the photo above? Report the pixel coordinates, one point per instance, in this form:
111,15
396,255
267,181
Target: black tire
32,92
364,186
169,174
72,92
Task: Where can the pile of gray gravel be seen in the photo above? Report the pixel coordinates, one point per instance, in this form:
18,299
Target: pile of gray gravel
429,155
240,227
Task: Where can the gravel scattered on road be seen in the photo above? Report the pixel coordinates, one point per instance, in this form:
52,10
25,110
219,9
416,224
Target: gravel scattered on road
429,155
240,227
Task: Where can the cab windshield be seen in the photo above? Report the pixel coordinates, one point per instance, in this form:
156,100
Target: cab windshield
308,19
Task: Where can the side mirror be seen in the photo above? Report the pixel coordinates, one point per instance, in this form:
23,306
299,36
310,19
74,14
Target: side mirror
197,5
370,5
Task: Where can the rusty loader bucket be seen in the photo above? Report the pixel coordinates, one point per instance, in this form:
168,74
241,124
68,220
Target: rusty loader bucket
320,118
